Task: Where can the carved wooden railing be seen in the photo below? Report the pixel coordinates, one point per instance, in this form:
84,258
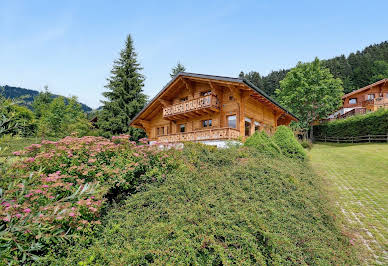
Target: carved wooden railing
209,101
208,134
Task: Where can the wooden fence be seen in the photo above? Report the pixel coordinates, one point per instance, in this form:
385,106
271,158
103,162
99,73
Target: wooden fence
367,138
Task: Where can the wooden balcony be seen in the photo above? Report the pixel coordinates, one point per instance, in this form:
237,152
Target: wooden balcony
208,134
192,108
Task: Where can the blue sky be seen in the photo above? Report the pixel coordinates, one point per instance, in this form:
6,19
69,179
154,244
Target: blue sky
70,45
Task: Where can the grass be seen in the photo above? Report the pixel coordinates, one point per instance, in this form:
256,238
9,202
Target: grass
221,207
358,176
10,144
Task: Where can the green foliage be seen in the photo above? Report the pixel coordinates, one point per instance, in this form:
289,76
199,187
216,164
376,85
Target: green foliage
306,144
125,97
29,96
310,92
262,142
57,191
286,141
233,206
375,123
15,119
58,119
356,70
177,69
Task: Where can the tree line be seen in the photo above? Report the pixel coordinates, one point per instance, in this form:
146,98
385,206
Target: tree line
356,70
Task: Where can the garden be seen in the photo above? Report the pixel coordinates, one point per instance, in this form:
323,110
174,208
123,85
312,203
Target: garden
93,200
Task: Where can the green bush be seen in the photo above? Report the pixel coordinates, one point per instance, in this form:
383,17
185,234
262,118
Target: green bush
261,141
235,206
286,141
306,144
375,123
57,190
15,119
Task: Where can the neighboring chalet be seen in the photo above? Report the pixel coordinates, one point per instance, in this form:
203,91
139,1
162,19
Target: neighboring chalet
209,109
361,101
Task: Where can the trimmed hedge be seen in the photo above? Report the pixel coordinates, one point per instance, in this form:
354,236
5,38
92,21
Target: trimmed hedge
375,123
261,141
287,142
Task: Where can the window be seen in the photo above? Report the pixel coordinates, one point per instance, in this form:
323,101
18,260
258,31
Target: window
160,131
232,121
184,99
231,98
206,93
248,124
182,128
371,96
207,123
257,126
353,101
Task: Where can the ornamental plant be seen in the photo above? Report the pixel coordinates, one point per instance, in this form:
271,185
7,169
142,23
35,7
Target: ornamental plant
58,190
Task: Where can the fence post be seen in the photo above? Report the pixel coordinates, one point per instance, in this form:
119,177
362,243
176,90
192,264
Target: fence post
387,137
325,138
369,137
352,139
337,140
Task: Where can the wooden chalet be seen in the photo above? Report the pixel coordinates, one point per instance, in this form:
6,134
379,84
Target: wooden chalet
367,99
209,109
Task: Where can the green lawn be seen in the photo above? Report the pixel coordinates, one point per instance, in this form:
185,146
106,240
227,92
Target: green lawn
358,176
10,144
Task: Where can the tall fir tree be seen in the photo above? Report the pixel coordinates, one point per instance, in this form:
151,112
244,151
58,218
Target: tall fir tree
177,69
125,97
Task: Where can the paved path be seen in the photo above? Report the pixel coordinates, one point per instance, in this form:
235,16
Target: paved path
358,174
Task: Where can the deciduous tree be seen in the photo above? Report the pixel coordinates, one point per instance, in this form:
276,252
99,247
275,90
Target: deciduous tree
310,92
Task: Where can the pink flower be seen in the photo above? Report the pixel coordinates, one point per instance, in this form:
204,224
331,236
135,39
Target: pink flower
30,160
91,160
18,215
45,186
28,195
72,214
38,191
6,219
92,209
28,210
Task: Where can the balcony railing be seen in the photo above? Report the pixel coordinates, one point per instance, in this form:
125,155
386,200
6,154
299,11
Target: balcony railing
194,107
208,134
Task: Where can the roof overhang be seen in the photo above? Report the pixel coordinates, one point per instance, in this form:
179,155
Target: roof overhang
241,83
380,82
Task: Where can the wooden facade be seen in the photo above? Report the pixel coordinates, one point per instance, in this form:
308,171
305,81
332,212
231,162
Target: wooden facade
196,107
371,97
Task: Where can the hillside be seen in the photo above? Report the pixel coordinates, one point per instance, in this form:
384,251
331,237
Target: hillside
356,70
221,207
28,95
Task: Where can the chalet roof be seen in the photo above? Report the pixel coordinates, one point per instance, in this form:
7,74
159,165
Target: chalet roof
213,77
365,88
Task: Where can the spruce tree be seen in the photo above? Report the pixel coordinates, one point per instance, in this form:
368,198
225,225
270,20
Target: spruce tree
177,69
125,97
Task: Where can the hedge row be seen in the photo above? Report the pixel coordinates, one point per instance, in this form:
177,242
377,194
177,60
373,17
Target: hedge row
375,123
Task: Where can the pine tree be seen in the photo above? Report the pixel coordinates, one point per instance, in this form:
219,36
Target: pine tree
125,97
177,69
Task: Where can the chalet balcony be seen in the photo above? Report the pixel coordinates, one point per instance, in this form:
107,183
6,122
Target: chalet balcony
200,135
192,108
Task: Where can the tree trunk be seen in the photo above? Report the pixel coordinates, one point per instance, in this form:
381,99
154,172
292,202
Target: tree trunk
312,133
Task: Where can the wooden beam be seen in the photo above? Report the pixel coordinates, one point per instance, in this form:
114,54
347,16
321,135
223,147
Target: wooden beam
163,102
188,86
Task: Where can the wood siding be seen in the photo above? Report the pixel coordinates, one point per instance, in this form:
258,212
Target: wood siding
163,118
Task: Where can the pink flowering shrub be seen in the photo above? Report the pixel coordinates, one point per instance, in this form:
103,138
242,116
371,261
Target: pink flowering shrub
57,190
